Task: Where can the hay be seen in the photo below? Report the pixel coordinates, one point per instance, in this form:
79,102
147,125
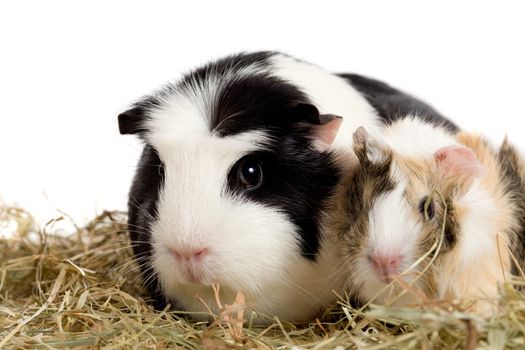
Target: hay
83,290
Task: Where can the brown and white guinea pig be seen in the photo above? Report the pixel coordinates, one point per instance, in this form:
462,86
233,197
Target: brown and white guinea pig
238,164
423,194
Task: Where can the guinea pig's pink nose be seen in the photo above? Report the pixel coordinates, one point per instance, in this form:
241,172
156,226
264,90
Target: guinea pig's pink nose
189,255
385,265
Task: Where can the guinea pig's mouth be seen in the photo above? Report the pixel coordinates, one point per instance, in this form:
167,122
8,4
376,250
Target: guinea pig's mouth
386,279
193,276
191,264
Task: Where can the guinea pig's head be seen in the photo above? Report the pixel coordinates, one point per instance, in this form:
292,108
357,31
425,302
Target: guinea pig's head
231,182
397,214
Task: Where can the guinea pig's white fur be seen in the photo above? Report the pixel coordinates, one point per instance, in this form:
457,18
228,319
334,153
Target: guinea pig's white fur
485,217
271,247
414,137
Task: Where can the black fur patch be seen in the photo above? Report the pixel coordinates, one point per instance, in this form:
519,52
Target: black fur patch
142,209
256,102
393,104
452,227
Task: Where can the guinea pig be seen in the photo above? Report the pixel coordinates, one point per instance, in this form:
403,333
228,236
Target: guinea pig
443,213
239,159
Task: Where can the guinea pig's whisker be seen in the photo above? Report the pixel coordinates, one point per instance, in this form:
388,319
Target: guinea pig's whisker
137,259
133,241
149,279
338,271
142,231
133,202
130,266
131,269
145,279
138,227
137,243
126,264
341,269
305,292
144,262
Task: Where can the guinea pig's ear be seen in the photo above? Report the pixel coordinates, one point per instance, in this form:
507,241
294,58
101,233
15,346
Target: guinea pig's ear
367,149
324,127
130,121
305,113
458,161
324,134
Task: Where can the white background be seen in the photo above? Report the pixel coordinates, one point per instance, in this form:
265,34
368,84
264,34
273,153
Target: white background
68,68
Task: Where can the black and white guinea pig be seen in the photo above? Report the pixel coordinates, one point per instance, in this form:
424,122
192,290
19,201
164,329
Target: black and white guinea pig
238,163
444,212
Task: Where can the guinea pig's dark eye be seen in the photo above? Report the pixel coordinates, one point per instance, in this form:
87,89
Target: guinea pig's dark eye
426,207
250,173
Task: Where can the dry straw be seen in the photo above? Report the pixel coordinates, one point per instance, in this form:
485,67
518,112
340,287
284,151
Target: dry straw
84,291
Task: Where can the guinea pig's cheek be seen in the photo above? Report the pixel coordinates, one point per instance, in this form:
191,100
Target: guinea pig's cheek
255,247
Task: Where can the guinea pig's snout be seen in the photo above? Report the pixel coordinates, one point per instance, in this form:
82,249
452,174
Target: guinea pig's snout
385,265
195,256
190,263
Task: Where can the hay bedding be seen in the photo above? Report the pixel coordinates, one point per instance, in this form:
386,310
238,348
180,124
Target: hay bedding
84,291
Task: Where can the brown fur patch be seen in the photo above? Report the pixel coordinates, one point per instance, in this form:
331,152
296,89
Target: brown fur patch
513,175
